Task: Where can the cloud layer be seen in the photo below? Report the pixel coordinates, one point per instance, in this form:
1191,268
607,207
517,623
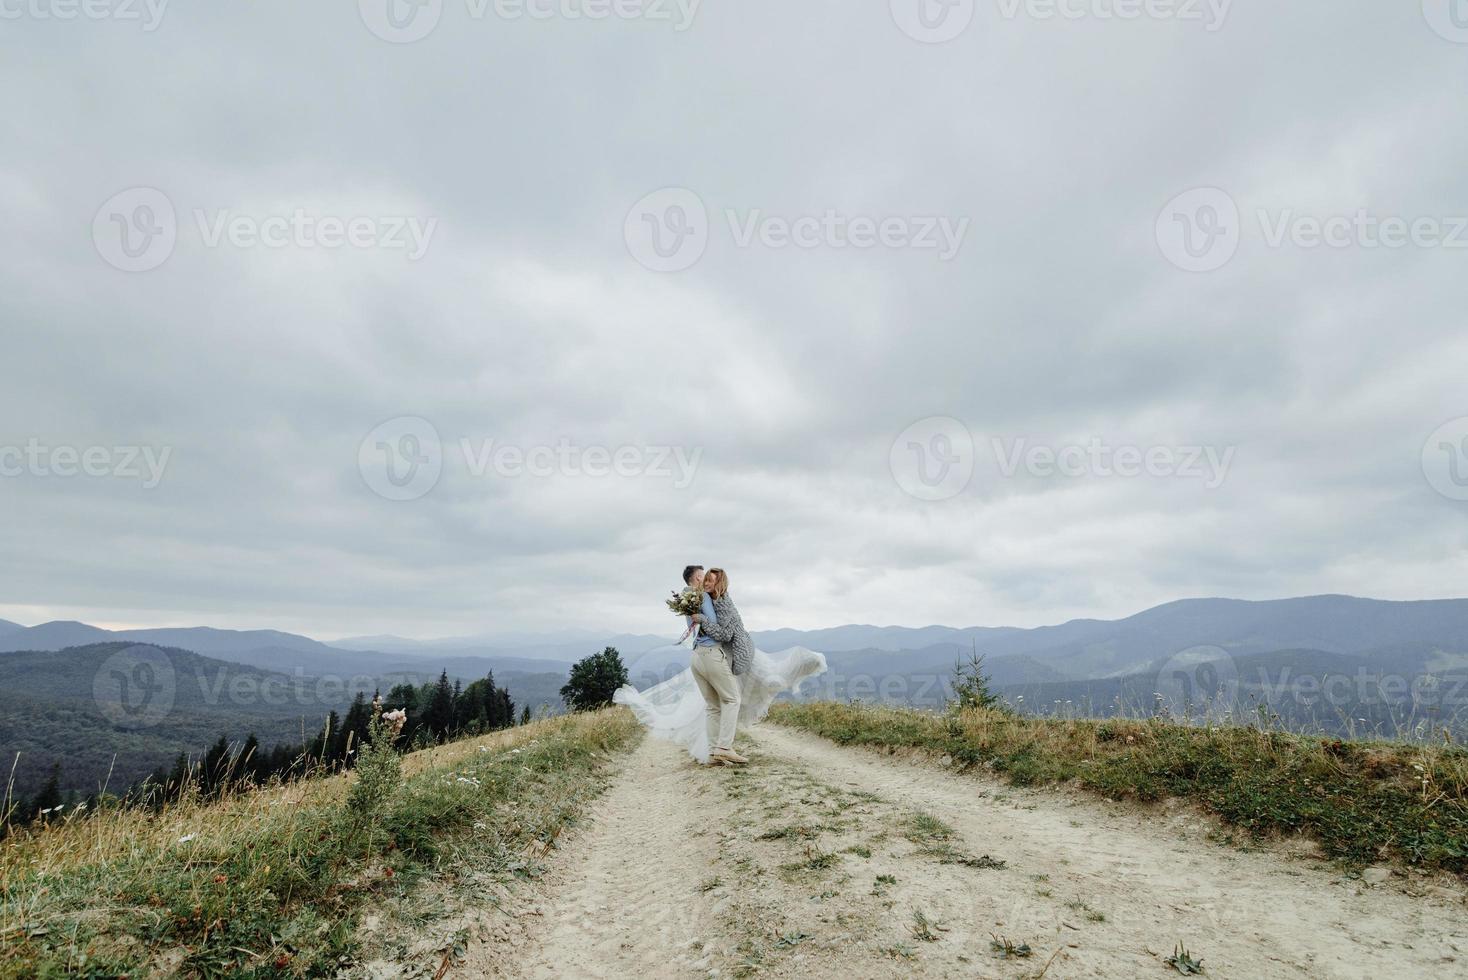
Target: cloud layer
822,145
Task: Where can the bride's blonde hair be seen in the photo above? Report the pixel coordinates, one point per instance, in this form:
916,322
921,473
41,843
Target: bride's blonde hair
721,583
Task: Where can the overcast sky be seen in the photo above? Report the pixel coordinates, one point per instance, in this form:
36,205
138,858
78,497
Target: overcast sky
581,234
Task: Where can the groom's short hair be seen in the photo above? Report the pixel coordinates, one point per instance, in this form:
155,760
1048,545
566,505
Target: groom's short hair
688,572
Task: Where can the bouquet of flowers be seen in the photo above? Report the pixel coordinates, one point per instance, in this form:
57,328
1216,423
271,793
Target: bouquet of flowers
686,603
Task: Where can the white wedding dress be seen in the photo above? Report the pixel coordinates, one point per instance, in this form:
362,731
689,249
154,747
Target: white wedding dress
674,710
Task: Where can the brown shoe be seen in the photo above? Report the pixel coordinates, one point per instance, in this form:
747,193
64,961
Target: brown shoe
728,756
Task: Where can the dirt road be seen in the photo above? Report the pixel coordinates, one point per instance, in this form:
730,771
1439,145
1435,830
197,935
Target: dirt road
821,861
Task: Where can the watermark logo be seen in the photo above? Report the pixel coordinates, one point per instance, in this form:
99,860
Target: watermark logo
832,229
305,229
1199,230
406,21
138,229
402,458
135,687
932,21
1198,684
1448,18
400,21
667,230
135,230
148,13
37,459
933,459
1097,458
567,458
1210,13
1361,229
1445,459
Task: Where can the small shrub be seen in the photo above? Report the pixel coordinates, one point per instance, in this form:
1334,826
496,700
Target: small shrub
1182,962
380,768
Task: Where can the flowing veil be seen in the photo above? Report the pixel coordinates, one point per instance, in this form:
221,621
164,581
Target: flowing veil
674,709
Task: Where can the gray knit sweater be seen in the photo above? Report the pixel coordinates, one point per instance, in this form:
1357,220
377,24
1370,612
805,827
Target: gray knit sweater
729,630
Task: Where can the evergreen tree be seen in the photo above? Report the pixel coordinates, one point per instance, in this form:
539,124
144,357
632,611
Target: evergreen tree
216,767
354,726
438,715
247,766
49,798
178,778
410,699
525,715
336,744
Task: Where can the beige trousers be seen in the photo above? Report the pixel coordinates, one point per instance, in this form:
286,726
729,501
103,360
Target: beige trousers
720,690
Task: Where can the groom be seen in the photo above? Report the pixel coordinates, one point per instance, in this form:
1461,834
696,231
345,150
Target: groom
715,680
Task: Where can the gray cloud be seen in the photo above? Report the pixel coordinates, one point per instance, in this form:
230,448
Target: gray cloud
792,370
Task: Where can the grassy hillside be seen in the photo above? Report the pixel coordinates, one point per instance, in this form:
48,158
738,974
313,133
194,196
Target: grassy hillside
274,882
1361,801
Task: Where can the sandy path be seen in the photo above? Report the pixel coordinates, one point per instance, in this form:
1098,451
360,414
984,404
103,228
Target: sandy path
1158,880
625,899
850,865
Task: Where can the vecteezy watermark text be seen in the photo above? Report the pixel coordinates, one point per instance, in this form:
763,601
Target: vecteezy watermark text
137,230
37,459
1202,229
147,13
937,21
406,21
669,229
934,459
1097,459
1210,13
403,459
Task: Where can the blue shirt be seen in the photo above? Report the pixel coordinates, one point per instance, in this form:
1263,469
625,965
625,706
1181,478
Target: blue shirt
708,615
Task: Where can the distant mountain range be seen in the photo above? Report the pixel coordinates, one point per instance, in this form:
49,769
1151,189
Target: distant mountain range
1082,649
1079,648
275,650
1258,653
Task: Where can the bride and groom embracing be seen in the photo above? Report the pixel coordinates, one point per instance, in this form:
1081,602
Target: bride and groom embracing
728,683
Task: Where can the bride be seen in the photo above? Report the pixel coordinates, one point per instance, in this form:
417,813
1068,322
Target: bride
729,682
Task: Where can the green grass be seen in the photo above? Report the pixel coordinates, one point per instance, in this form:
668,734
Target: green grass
1361,801
273,883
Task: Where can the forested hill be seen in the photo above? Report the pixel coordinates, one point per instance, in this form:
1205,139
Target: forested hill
113,713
